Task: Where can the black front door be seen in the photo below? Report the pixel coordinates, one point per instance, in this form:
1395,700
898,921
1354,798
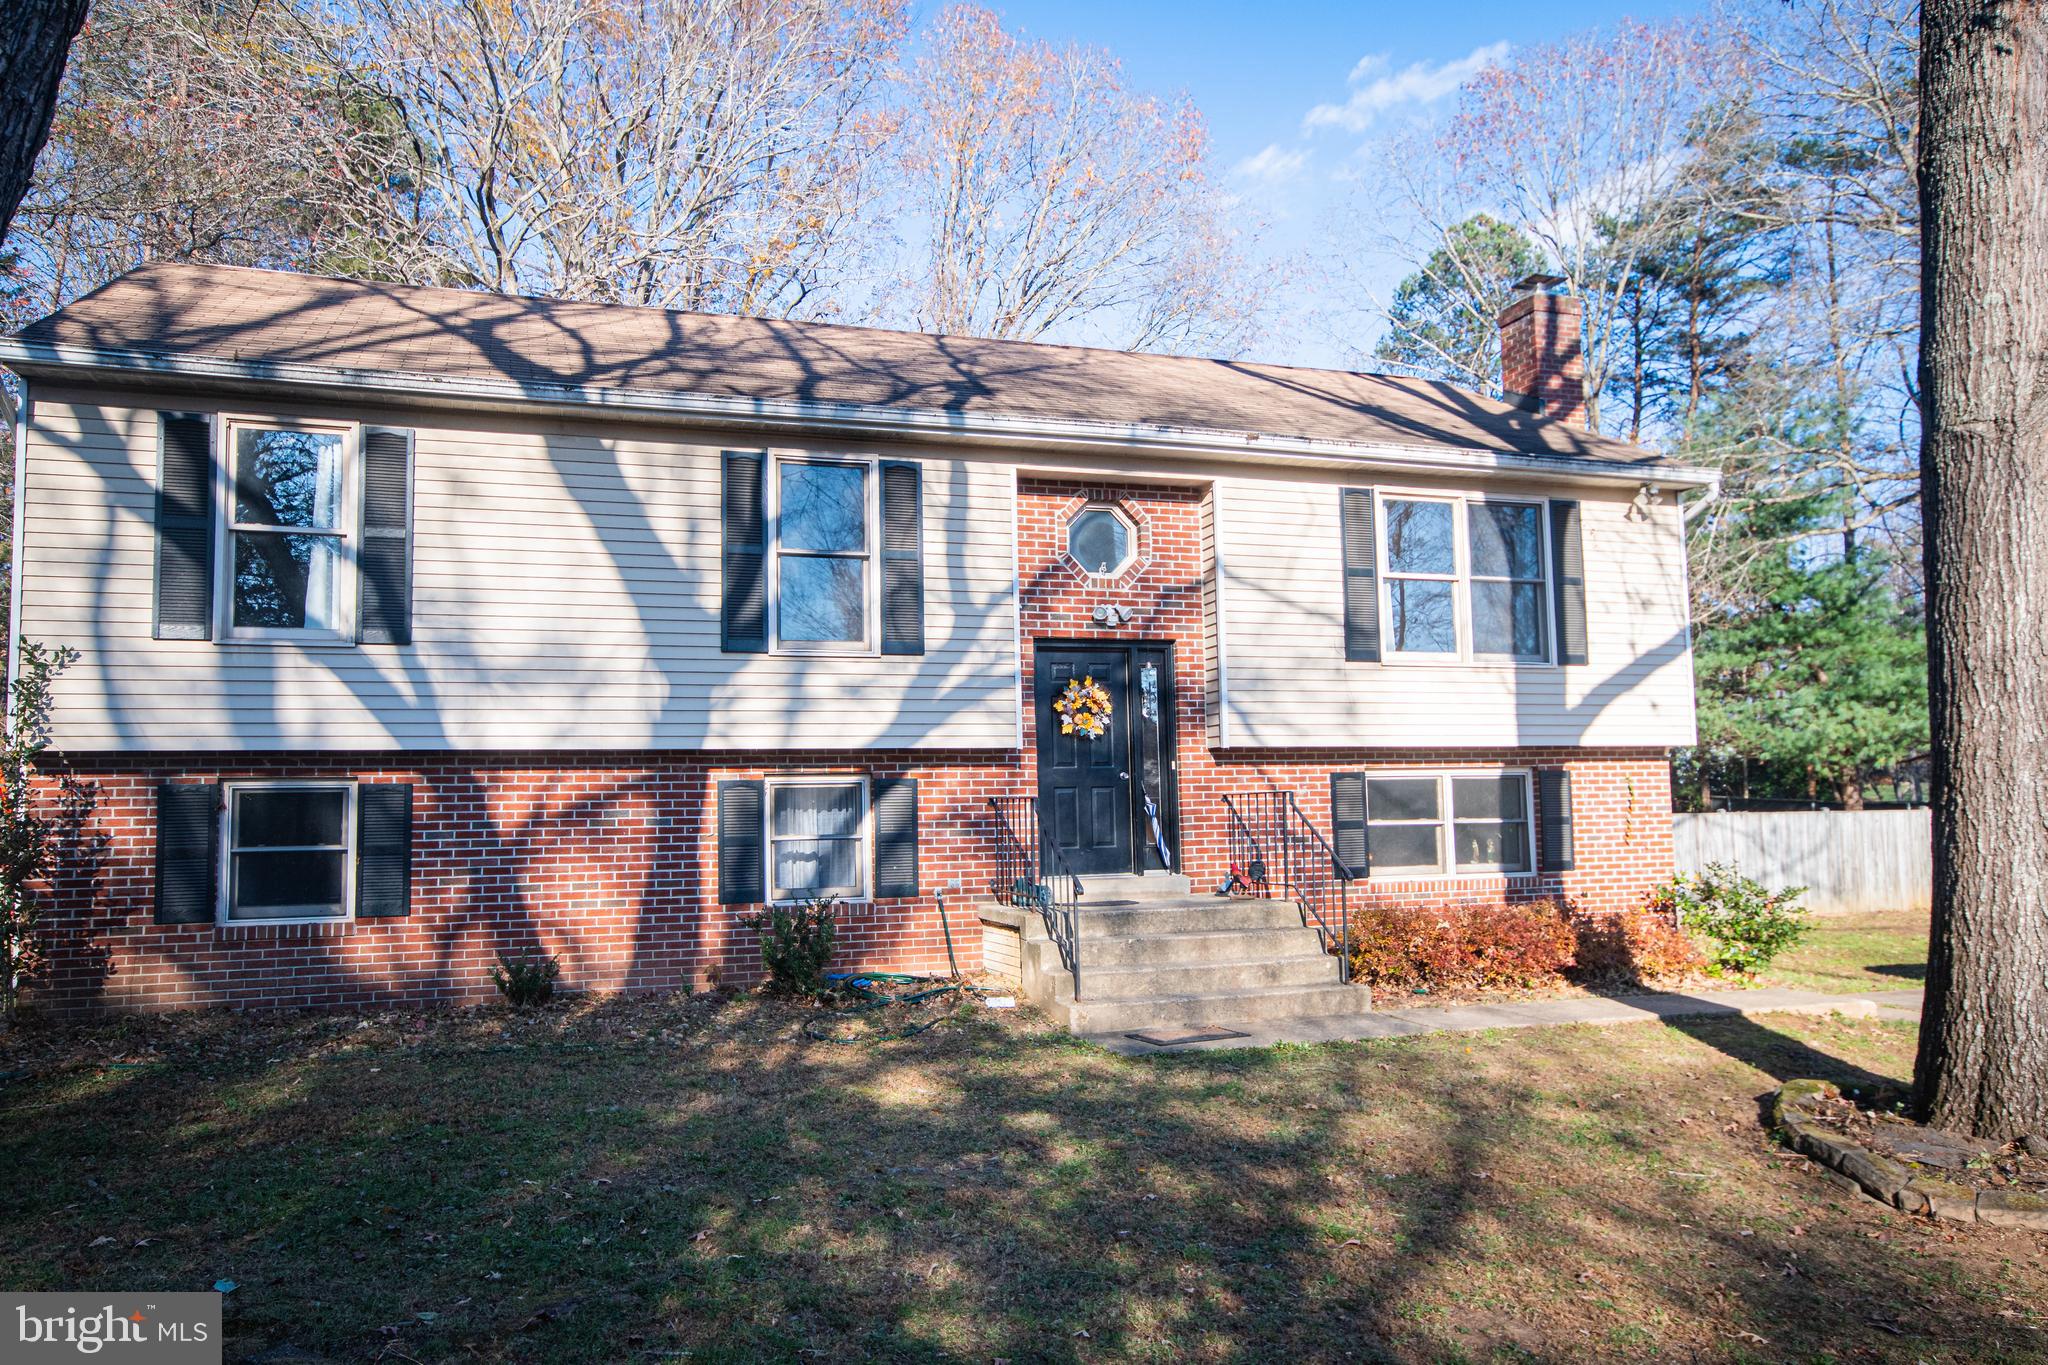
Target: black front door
1092,792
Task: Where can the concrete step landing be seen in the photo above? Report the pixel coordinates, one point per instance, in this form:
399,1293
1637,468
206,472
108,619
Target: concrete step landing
1157,954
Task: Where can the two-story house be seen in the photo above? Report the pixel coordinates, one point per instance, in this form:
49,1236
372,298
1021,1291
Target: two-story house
420,625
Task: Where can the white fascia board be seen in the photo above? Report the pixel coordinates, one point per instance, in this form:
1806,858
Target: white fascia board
868,420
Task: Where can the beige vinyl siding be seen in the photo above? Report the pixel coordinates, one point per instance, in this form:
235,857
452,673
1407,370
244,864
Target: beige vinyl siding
1287,683
1212,614
566,595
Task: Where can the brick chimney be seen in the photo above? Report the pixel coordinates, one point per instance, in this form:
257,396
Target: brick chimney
1541,367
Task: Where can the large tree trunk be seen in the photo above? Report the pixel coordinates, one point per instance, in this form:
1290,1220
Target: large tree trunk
31,65
1983,1065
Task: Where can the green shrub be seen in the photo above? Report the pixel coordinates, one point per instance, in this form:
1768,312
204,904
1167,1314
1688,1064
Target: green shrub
525,981
1470,947
1749,925
796,943
27,851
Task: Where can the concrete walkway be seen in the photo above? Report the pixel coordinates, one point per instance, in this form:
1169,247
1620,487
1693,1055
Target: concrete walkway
1618,1009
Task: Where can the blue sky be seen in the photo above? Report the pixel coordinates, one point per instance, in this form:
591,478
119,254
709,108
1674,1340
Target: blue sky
1292,90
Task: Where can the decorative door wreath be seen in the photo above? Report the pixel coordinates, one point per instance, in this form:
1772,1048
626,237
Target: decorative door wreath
1083,708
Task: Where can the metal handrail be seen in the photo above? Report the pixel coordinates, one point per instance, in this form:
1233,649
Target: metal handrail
1034,875
1269,825
1248,866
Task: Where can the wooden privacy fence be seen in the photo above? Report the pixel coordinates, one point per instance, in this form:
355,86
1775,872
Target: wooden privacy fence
1848,860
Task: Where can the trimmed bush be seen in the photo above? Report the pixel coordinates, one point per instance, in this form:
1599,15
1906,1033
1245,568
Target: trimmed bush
525,981
1749,925
1637,946
1474,947
796,943
1404,947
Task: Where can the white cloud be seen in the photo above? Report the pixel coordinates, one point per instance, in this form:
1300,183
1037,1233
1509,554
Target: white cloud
1576,221
1375,88
1273,166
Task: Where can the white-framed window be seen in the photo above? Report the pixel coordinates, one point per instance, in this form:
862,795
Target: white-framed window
1102,540
824,517
287,851
1420,544
1464,578
817,838
288,549
1509,596
1475,823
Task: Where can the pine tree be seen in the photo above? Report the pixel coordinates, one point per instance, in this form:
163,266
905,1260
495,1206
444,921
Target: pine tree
1820,677
1446,316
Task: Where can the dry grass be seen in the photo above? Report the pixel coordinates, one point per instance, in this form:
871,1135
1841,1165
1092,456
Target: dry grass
695,1179
1884,952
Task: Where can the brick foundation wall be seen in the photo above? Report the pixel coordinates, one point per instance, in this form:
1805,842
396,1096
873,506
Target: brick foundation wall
609,859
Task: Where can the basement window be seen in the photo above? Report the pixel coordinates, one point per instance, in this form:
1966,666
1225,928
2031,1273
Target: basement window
1439,824
287,847
817,840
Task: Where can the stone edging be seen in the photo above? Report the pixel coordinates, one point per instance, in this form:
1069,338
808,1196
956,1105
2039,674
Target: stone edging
1891,1183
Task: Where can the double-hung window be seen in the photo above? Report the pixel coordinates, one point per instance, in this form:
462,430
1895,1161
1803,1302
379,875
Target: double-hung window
1510,619
824,555
287,851
1424,824
1465,578
289,551
1422,575
817,839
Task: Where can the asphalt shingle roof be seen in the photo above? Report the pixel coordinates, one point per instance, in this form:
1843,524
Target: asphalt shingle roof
229,313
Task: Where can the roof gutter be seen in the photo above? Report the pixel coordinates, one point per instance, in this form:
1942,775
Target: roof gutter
870,420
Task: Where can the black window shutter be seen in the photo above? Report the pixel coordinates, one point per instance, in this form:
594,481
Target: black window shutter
384,850
1361,577
187,851
741,859
745,629
386,615
902,558
1347,822
1554,807
184,527
1568,580
895,815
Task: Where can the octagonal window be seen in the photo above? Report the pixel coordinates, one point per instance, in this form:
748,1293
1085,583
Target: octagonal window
1102,540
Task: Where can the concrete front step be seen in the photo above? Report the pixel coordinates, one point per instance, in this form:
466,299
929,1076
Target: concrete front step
1195,947
1192,916
1190,958
1202,978
1227,1008
1152,886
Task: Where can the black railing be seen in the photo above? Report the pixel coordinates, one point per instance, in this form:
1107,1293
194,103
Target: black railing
1032,874
1247,814
1275,848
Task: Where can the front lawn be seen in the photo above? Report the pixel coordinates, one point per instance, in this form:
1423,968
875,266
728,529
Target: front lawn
1883,952
697,1179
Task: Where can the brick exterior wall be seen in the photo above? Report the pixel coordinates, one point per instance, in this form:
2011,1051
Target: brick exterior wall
609,859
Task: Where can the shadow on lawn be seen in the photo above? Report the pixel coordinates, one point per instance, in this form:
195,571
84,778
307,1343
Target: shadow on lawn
1778,1055
964,1195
